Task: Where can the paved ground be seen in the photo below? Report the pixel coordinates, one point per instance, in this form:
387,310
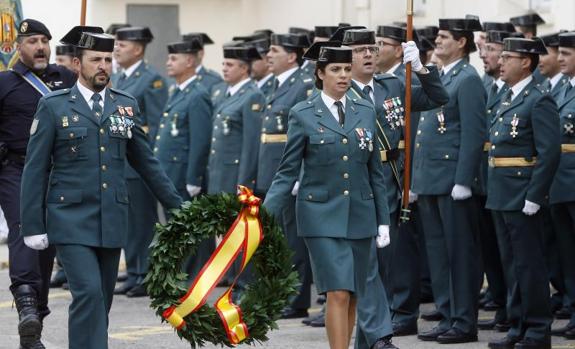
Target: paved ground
133,325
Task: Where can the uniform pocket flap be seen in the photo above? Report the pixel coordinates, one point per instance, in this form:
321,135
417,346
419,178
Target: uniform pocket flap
317,195
321,139
70,196
72,133
122,197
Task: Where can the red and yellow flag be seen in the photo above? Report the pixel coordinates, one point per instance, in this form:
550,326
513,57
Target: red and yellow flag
244,236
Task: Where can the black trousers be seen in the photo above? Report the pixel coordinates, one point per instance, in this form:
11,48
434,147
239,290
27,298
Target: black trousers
27,266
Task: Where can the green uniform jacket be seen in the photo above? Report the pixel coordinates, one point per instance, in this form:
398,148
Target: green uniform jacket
85,200
342,191
536,136
208,78
295,89
389,93
183,141
150,90
445,157
556,91
561,189
268,86
235,140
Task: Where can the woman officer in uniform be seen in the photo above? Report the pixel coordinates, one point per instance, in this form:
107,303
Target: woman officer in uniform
341,204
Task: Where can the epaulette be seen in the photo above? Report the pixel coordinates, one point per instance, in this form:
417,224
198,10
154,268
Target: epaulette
57,93
121,92
362,102
303,105
384,76
541,88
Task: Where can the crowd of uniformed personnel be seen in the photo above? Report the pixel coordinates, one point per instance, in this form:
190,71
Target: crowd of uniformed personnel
493,156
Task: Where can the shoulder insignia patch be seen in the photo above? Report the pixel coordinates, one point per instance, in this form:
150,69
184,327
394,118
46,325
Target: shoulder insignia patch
309,92
256,107
158,84
34,126
307,80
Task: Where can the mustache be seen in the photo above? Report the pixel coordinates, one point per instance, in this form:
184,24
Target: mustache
40,54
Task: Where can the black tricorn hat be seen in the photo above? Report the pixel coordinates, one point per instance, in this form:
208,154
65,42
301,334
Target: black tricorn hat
290,40
29,27
202,38
75,34
302,31
359,37
325,31
460,24
399,24
266,32
567,39
65,50
528,20
114,27
425,44
499,26
525,46
552,40
312,53
497,36
251,37
338,35
190,46
140,34
262,46
429,32
246,54
335,55
392,32
96,42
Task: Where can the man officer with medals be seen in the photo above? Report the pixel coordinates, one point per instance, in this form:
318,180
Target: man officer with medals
20,89
145,84
83,136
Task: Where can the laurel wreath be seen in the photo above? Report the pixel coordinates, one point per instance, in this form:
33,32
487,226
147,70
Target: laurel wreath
263,299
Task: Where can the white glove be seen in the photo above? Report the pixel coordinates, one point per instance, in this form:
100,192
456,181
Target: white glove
37,242
460,192
193,190
412,197
295,189
411,55
382,239
530,208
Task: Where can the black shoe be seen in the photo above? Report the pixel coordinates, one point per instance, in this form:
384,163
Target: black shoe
308,320
455,335
491,306
530,343
563,314
431,335
289,313
486,325
400,330
502,326
561,330
36,344
29,325
433,315
319,321
505,343
58,280
122,277
124,288
137,291
384,343
65,286
570,334
425,298
320,300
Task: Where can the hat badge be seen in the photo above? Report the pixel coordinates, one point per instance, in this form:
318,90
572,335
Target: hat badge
24,27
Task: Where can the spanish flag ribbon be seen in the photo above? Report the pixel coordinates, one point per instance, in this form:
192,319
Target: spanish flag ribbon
244,235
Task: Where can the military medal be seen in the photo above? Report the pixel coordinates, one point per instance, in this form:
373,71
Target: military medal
369,138
280,126
225,126
65,121
129,111
514,123
441,120
568,127
121,110
360,134
174,132
75,118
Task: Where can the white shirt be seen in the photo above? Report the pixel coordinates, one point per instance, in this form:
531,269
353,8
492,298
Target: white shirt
362,85
130,70
185,84
554,80
572,81
518,87
330,103
264,80
198,68
87,94
285,75
450,66
394,68
233,89
305,64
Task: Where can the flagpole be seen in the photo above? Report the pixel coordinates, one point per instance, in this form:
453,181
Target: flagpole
83,13
407,131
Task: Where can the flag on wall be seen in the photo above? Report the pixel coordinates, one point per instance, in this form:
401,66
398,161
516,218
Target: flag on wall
10,17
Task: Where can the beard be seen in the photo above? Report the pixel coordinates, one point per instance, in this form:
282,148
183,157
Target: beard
96,82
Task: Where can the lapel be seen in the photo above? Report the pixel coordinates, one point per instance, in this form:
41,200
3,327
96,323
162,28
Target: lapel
132,79
568,98
519,99
79,105
446,79
359,92
351,117
235,98
494,100
285,87
174,100
326,118
109,105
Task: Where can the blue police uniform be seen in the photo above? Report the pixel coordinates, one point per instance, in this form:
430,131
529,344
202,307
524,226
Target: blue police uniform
85,202
208,78
18,102
150,90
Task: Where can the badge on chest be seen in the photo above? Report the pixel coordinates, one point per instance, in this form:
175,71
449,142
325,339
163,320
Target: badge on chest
365,138
122,122
394,110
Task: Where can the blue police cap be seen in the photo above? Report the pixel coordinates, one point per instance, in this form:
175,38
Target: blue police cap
29,27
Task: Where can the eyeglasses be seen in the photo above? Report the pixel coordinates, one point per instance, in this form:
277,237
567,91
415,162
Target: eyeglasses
383,43
504,58
363,49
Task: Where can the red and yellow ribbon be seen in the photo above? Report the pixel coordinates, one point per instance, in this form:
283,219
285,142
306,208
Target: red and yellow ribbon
244,235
